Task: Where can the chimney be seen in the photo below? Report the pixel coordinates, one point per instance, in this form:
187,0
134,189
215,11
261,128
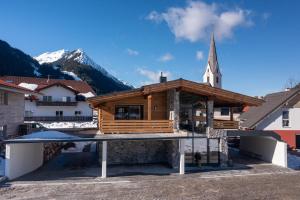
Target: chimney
162,79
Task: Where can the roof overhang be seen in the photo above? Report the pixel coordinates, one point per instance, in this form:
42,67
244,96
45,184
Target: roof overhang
220,96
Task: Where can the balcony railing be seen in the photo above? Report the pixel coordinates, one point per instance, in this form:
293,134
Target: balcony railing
56,103
226,124
136,126
59,118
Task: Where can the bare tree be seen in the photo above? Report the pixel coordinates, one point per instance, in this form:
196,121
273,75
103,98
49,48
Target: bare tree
291,83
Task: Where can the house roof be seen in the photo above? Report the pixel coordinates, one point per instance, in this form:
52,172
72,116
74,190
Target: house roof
273,101
55,84
220,96
12,87
79,86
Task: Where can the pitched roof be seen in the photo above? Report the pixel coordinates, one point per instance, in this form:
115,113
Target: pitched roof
79,86
11,86
273,101
212,56
220,95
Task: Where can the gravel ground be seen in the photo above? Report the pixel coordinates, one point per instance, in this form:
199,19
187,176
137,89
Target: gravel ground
285,185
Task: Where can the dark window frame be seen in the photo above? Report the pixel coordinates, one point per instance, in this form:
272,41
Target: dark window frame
226,113
126,115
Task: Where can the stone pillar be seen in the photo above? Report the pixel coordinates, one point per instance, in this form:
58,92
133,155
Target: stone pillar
223,147
104,158
210,113
172,148
173,106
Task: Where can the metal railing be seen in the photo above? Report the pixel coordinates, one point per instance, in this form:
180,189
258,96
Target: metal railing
56,103
59,118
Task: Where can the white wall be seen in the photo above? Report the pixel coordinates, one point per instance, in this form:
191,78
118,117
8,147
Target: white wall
22,159
212,77
268,148
274,121
57,92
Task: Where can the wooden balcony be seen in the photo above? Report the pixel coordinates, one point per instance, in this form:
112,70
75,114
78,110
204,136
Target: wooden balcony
226,124
56,103
136,126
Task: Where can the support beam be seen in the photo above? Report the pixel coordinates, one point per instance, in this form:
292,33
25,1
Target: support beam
149,101
104,159
182,159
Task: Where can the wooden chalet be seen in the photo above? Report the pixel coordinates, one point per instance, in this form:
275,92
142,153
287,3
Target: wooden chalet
167,107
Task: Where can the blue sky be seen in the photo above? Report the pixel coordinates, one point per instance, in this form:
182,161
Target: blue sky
257,41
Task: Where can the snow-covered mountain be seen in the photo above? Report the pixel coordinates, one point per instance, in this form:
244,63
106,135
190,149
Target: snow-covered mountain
75,63
62,64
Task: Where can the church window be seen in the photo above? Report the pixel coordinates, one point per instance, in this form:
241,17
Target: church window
208,79
217,79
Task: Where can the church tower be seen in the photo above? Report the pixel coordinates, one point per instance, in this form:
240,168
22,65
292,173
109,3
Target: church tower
212,73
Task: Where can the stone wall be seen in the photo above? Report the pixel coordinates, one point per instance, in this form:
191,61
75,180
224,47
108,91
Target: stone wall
141,152
12,115
51,150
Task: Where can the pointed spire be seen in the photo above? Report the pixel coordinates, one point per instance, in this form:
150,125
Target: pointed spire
212,56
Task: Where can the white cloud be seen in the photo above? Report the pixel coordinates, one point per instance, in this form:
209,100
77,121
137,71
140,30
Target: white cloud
198,19
199,55
166,57
152,76
132,52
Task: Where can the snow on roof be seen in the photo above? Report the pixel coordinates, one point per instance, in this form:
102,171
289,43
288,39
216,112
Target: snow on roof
87,95
48,135
28,86
72,74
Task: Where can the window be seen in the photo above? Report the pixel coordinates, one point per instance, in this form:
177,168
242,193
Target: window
3,132
129,112
225,111
77,113
208,79
47,98
285,118
59,113
66,99
3,98
28,113
217,79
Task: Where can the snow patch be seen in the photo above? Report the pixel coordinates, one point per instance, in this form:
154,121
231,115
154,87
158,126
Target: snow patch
50,57
72,74
28,86
293,161
35,71
87,95
48,135
61,125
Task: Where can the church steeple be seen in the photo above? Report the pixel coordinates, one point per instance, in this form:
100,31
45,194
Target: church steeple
212,73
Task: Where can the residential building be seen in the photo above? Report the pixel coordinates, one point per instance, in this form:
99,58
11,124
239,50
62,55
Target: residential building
167,107
57,100
280,113
11,109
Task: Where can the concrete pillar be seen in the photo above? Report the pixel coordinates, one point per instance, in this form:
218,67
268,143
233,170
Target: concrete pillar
104,159
182,159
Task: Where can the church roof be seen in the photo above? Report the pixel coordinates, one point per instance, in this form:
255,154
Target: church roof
212,57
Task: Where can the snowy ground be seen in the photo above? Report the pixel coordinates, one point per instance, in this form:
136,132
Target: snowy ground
54,125
2,166
79,146
293,161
